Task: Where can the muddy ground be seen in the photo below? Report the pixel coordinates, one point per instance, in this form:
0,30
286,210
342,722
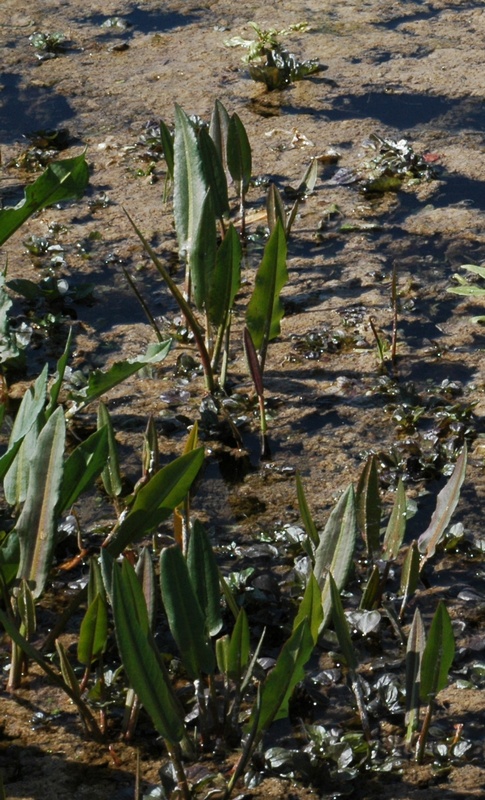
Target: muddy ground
411,70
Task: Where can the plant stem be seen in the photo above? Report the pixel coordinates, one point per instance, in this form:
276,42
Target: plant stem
184,307
176,756
423,736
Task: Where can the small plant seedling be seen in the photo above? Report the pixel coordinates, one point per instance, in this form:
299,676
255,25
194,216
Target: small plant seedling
269,62
468,289
48,45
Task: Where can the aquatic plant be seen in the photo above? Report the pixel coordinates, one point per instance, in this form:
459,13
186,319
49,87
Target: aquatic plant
469,289
269,62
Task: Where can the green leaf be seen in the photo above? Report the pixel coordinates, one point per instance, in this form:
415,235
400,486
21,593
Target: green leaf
265,310
305,513
275,208
438,654
226,277
202,258
311,608
238,649
93,633
204,576
10,557
145,573
61,370
30,408
110,475
414,652
336,548
190,186
370,595
218,129
62,180
37,524
100,382
16,480
396,527
239,162
168,148
184,614
341,626
368,505
157,499
214,174
67,671
281,681
446,503
140,658
84,464
409,573
26,610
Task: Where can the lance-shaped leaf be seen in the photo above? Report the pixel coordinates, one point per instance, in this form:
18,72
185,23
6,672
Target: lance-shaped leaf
281,681
67,671
219,126
226,277
238,649
438,654
157,499
305,513
26,610
16,480
146,575
311,608
9,558
141,661
110,474
336,548
371,592
190,186
84,464
30,409
214,174
414,652
55,388
93,633
202,258
15,463
265,310
184,614
275,208
409,574
396,527
37,524
204,577
166,139
445,505
239,161
368,504
341,626
62,180
100,382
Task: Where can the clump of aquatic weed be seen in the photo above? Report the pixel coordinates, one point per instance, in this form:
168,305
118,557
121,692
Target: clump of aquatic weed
271,63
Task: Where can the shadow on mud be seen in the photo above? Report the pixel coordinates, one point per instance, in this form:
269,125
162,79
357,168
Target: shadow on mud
27,108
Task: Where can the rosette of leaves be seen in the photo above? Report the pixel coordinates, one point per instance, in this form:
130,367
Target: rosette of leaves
269,62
